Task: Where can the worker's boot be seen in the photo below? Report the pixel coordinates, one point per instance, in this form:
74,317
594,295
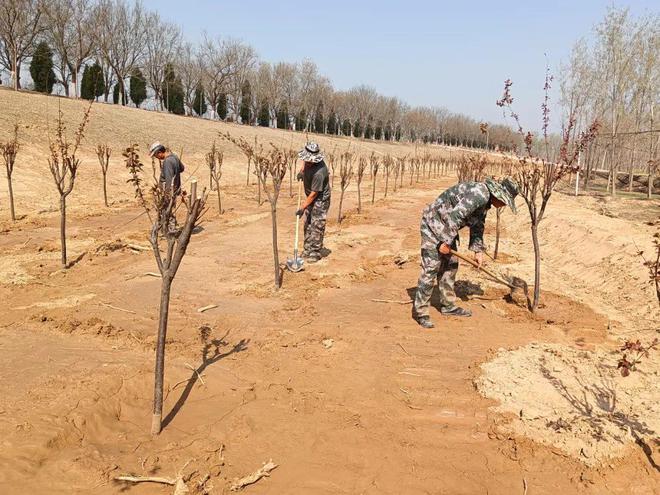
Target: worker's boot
455,311
424,321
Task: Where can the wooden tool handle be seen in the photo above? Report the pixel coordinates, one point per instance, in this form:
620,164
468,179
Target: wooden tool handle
485,270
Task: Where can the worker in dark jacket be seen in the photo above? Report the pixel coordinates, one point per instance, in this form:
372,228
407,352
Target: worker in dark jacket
316,181
170,170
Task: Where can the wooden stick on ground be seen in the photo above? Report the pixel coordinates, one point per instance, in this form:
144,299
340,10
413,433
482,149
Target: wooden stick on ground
391,301
206,308
146,479
262,472
118,309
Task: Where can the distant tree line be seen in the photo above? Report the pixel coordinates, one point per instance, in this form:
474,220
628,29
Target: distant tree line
118,51
615,78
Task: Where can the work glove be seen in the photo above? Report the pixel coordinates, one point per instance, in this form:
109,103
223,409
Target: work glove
299,176
300,212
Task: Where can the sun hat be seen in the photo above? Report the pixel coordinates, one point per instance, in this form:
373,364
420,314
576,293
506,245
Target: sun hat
311,153
505,190
155,148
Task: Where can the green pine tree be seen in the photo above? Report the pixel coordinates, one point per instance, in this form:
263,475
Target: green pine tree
246,97
318,118
41,68
332,123
301,121
115,94
199,102
138,88
264,115
222,107
92,84
346,128
283,118
173,92
357,129
378,132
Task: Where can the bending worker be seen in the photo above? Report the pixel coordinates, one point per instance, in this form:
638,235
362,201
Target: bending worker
465,204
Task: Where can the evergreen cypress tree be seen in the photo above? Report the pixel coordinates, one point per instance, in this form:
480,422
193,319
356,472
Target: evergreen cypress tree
222,107
138,89
332,123
301,121
388,132
346,128
246,97
369,131
264,115
318,118
92,84
173,91
357,129
199,102
283,118
41,68
378,132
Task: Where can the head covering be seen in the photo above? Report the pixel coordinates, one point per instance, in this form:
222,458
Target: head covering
155,148
505,190
311,153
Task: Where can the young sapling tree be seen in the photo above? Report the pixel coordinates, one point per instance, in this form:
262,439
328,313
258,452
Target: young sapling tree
345,175
214,159
63,164
169,242
272,163
537,176
388,164
103,153
373,162
9,150
362,167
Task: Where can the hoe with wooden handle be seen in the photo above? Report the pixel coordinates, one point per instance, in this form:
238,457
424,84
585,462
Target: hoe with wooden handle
513,283
296,263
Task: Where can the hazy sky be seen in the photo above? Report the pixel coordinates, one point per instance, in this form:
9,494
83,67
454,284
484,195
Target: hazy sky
452,54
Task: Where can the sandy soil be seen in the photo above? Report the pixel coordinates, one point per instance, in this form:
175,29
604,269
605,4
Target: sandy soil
345,394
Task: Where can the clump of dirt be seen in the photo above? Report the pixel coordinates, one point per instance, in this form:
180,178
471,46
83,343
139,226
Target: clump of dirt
574,400
110,247
91,326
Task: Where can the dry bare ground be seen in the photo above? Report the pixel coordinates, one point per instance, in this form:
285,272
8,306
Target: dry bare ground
344,394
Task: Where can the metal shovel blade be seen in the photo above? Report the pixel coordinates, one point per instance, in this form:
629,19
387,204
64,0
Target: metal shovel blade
295,264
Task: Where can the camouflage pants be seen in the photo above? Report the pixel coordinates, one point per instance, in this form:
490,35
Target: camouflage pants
435,266
315,221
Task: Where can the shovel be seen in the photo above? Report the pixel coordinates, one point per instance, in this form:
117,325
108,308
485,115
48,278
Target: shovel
513,283
295,264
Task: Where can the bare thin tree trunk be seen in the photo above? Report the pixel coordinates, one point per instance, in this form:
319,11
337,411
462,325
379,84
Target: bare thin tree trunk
537,268
217,187
387,180
373,190
276,255
359,209
498,213
11,198
156,421
63,229
105,189
341,202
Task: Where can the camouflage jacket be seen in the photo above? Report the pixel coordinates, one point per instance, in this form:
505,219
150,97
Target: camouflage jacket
464,204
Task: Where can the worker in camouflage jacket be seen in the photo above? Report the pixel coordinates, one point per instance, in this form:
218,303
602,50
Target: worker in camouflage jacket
465,204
